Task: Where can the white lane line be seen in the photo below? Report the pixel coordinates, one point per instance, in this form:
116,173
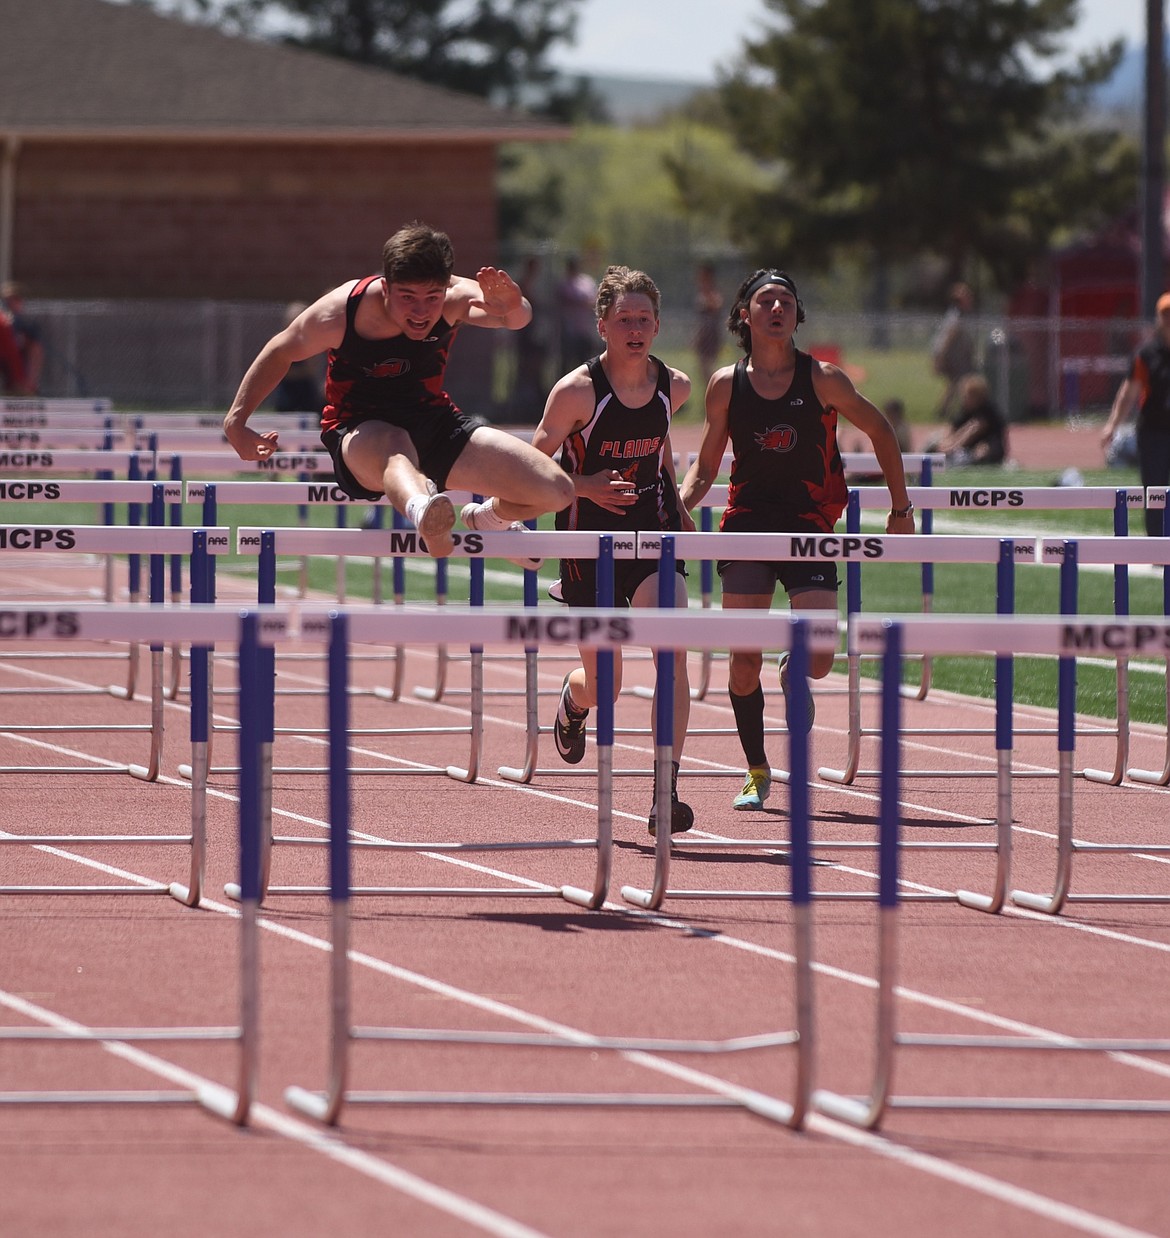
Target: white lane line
1044,1206
314,1138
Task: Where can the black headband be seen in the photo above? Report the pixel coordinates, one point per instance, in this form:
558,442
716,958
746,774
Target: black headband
770,277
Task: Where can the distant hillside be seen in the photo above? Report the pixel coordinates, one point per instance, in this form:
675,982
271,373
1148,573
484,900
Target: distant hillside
637,100
1123,91
631,101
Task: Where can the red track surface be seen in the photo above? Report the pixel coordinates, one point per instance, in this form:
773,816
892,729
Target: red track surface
698,969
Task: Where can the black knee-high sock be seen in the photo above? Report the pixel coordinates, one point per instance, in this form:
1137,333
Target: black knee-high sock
749,722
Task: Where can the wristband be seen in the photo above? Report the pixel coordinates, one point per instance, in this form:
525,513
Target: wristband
900,512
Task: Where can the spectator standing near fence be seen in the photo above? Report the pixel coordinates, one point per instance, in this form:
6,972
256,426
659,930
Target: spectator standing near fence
709,333
529,389
300,390
1147,389
576,294
388,424
610,420
952,351
779,407
22,355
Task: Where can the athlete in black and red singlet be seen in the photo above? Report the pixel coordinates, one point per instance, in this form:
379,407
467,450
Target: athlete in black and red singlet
388,423
610,419
779,407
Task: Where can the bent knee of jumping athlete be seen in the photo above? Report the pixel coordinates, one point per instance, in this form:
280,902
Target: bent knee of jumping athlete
553,490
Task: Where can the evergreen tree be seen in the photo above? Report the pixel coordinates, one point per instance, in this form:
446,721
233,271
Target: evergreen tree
493,48
897,128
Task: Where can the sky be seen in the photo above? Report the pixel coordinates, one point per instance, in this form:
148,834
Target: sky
686,39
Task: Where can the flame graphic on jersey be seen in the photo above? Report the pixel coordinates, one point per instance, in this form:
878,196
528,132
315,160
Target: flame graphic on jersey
830,497
776,438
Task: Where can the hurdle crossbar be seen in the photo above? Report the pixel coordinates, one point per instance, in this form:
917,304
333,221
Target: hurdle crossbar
604,630
1063,637
200,626
155,541
937,634
232,1104
1122,553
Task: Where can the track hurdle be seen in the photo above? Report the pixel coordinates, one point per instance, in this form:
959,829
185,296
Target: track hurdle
1064,637
304,494
985,500
1156,498
898,548
47,407
945,634
105,493
57,438
372,543
1122,553
199,625
603,629
405,543
811,630
233,1104
155,541
226,463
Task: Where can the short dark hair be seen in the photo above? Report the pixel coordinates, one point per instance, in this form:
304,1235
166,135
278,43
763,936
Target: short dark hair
418,254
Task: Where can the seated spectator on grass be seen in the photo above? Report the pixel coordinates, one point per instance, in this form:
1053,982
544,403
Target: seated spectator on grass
978,431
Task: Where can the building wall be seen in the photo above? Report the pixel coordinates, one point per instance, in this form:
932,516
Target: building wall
236,222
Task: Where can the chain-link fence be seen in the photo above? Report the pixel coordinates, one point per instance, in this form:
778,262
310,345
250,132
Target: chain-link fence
170,355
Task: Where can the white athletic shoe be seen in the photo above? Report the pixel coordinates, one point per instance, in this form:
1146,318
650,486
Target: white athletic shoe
472,517
435,525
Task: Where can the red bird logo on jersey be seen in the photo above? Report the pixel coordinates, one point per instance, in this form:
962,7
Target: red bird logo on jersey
388,369
776,438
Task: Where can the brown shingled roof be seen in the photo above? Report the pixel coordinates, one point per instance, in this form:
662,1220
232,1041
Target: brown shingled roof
77,68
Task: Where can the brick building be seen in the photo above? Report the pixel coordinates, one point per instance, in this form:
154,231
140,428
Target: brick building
143,157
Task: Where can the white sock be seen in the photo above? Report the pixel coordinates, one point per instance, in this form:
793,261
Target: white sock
415,506
488,518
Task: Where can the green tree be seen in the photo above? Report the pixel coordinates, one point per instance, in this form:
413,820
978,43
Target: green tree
630,195
493,48
894,129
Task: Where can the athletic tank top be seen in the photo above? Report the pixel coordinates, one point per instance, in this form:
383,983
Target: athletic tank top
631,440
787,471
399,380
